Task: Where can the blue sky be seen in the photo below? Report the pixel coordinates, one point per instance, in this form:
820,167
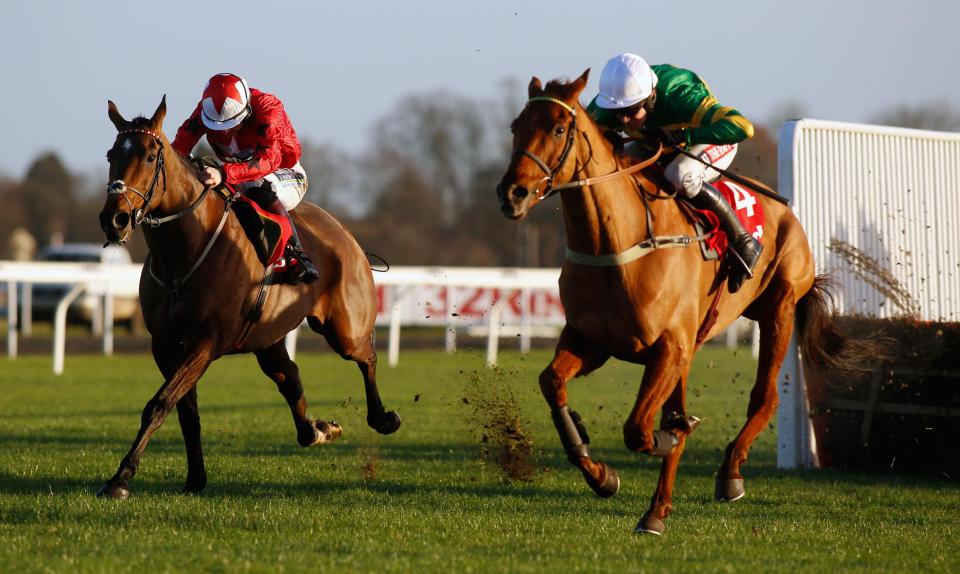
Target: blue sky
339,66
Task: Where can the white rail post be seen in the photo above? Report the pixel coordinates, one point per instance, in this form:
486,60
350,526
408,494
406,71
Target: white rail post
12,319
756,339
396,315
450,339
60,327
796,443
108,319
290,341
525,295
26,309
493,333
732,336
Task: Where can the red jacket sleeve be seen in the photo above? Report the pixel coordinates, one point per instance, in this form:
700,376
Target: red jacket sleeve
189,133
272,125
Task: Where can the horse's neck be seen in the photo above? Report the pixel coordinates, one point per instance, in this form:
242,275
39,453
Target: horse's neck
176,245
608,217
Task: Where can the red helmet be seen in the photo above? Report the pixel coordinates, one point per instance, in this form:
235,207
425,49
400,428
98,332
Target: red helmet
226,102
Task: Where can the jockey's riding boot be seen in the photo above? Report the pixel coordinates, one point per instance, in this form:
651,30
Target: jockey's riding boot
304,272
745,248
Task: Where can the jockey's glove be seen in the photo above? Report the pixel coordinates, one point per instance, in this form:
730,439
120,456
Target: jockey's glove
673,137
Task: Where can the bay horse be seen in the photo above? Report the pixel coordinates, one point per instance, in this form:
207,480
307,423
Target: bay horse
627,295
203,295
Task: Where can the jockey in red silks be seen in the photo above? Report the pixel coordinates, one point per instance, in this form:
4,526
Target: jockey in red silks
252,135
677,107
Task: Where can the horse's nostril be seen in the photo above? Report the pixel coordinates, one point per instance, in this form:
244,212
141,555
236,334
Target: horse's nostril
519,193
121,219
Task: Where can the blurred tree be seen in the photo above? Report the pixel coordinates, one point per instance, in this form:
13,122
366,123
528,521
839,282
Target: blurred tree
937,115
49,203
13,214
757,157
331,179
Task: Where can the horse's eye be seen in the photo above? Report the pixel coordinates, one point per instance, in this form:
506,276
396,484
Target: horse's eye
559,131
151,157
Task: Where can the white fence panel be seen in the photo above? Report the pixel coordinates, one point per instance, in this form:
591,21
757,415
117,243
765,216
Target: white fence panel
880,207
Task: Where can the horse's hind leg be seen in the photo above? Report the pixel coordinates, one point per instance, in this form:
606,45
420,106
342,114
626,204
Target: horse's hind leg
189,415
275,362
575,357
775,312
360,350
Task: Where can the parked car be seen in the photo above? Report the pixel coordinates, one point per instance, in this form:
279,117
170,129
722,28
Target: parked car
46,297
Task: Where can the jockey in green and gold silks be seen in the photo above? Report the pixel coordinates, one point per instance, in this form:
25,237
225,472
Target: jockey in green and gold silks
675,106
684,102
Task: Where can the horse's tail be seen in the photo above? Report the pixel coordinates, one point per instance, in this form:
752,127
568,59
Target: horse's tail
824,347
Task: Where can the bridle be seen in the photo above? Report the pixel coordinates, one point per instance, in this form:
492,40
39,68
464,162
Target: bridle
120,187
550,174
551,189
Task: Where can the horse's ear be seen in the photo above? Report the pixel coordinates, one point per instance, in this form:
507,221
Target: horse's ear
580,83
157,120
535,87
115,116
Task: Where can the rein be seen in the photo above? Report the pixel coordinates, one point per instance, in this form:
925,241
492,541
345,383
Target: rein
551,189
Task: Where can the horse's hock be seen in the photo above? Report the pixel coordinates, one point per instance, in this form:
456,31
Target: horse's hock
902,417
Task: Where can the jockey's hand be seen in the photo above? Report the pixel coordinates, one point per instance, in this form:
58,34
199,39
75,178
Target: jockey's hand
211,177
672,137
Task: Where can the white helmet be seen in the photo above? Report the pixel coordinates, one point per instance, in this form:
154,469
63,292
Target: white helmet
225,102
626,79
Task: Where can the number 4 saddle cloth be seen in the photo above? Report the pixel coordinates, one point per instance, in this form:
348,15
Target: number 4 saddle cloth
748,209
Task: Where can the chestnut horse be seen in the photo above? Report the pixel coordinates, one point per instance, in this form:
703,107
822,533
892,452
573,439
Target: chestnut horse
201,283
645,301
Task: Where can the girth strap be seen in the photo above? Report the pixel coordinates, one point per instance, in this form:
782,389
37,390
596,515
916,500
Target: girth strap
636,252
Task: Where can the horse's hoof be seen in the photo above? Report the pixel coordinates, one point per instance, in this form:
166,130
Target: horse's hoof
608,486
327,431
113,491
650,524
388,424
193,487
729,489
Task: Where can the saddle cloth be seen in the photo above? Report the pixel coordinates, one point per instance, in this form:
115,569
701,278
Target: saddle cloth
748,209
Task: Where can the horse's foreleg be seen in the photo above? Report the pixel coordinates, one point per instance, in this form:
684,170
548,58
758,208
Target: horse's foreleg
166,356
185,377
661,375
672,418
776,326
574,358
275,362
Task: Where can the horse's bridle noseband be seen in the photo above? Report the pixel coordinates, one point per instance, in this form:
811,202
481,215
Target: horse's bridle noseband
549,189
120,187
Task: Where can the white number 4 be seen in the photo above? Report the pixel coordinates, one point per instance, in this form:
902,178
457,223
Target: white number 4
742,200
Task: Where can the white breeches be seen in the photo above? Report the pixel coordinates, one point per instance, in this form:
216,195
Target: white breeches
688,175
290,185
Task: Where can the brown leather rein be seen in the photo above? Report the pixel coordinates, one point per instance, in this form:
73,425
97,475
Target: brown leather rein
551,189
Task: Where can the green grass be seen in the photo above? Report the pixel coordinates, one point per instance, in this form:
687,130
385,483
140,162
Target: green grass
423,499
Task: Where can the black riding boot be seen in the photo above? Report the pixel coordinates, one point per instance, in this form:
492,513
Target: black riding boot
304,271
746,249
